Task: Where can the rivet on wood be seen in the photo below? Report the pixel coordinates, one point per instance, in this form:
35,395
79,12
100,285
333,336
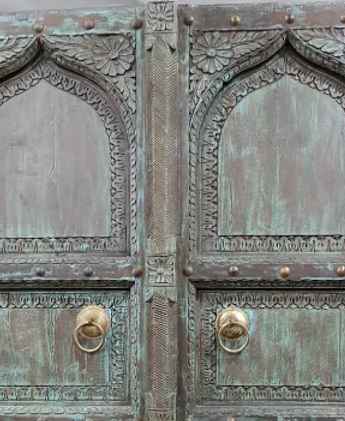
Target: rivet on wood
137,24
289,18
188,270
138,271
284,272
88,272
40,272
88,23
341,270
342,19
38,27
188,20
235,20
233,270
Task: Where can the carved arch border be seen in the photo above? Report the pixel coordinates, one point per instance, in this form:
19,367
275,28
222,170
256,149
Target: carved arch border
216,93
81,65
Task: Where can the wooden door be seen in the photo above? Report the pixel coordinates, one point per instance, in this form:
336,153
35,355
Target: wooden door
69,186
173,175
264,228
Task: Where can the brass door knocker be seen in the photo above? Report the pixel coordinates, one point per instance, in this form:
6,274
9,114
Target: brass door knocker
231,324
92,322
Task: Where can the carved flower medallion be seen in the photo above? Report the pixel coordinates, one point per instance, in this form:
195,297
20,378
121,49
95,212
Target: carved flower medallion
113,56
211,52
161,15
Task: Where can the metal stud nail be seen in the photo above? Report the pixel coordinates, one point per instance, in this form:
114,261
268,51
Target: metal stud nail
88,23
341,271
233,270
289,18
40,272
138,271
284,272
137,24
188,20
88,272
235,20
188,270
38,27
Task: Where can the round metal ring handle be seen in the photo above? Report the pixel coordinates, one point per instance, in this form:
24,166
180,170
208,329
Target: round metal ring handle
92,322
232,323
76,336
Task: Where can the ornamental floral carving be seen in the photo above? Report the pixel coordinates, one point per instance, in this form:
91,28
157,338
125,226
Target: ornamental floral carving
113,56
211,52
161,270
160,16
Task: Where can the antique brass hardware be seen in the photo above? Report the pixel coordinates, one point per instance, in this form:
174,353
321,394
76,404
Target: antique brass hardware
342,19
188,270
284,272
92,322
137,24
40,272
289,18
232,324
341,271
235,20
88,272
233,270
88,23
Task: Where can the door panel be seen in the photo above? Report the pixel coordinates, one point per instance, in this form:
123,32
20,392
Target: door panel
264,225
40,358
50,138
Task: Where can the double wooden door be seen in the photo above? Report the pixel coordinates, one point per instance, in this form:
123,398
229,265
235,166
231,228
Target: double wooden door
172,212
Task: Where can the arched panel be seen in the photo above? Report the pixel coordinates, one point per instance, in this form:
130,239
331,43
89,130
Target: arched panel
55,167
64,181
271,160
281,163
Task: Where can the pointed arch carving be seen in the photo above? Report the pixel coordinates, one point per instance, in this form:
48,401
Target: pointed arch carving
226,67
100,70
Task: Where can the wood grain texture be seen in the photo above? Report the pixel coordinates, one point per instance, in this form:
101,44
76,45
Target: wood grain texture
50,139
281,164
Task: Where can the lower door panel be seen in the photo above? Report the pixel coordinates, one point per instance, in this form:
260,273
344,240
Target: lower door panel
42,370
293,362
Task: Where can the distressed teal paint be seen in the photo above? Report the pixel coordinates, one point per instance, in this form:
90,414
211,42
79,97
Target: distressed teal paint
55,166
288,347
281,164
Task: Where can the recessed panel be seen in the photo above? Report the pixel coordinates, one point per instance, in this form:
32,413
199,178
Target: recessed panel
54,166
281,163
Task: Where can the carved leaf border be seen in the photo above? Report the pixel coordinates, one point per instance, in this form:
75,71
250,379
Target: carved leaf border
207,89
91,56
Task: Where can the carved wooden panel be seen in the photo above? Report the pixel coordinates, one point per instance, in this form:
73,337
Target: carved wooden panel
40,360
68,177
259,119
295,352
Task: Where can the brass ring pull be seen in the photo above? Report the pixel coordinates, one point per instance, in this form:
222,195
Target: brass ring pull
92,322
77,331
232,323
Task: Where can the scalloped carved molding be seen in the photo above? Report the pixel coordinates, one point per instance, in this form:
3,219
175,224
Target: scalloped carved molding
216,58
110,62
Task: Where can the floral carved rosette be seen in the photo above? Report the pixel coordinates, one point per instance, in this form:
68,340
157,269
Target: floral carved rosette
113,56
211,52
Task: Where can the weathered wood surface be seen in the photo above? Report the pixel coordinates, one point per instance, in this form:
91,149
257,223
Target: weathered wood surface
54,167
